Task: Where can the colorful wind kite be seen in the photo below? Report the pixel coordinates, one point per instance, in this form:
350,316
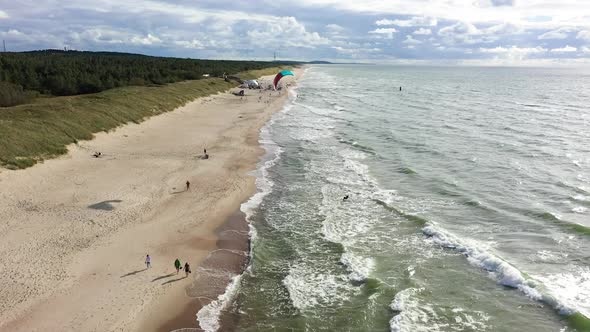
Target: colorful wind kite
281,75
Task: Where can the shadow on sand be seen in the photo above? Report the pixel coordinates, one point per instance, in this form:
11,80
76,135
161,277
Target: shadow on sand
133,273
173,280
105,205
162,277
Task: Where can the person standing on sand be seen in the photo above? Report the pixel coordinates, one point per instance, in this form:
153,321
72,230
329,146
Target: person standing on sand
187,269
148,261
188,185
205,151
177,265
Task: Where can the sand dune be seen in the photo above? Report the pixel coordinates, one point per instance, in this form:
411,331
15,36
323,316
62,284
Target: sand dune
74,231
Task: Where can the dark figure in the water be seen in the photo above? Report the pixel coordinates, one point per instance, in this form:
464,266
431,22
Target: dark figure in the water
345,198
400,88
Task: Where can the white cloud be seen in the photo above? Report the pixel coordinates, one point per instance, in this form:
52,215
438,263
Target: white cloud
513,49
559,12
388,32
503,29
512,55
214,29
384,30
423,31
334,28
412,22
145,40
192,44
584,34
466,33
566,49
100,36
285,31
495,3
11,33
561,33
585,49
411,41
355,51
459,28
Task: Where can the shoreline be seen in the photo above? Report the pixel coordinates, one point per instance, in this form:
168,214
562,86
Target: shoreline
221,271
74,230
230,258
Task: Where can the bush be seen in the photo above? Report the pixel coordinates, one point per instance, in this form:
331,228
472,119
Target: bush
13,94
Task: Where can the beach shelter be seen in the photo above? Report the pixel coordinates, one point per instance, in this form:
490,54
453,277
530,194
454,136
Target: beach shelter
252,84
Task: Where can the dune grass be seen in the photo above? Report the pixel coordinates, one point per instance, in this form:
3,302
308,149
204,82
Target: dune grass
41,130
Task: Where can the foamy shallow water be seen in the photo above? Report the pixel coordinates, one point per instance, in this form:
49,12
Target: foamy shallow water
467,211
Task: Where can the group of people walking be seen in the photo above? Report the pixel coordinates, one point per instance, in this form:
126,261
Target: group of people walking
177,265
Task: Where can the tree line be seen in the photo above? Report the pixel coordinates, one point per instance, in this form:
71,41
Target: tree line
63,73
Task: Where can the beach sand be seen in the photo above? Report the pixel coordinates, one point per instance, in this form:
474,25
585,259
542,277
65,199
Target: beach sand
74,231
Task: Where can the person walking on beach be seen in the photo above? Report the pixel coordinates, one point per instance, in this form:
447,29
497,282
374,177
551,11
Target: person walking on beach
148,261
188,185
205,151
187,269
177,265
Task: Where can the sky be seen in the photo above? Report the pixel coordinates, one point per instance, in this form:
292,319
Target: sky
479,32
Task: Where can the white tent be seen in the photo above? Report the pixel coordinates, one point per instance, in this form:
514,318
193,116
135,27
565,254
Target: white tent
252,84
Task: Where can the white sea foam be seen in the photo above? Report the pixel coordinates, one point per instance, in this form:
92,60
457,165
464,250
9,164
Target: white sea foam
415,315
502,271
579,209
310,288
548,256
361,169
582,198
411,315
347,222
208,316
411,271
312,134
572,288
359,267
505,273
272,156
388,197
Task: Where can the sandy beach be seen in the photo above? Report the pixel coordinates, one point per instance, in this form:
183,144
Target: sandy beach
74,231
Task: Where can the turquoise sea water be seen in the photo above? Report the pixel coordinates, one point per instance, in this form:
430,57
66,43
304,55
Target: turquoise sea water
469,204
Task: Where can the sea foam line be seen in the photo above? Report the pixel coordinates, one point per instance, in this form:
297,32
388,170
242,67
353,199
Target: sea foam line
209,315
504,272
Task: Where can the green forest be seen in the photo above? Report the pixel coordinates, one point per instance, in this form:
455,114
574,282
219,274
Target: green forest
24,75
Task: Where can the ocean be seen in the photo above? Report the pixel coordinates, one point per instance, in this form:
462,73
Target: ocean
468,208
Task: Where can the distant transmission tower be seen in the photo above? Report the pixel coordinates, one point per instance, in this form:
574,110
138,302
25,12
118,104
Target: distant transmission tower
275,56
4,45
